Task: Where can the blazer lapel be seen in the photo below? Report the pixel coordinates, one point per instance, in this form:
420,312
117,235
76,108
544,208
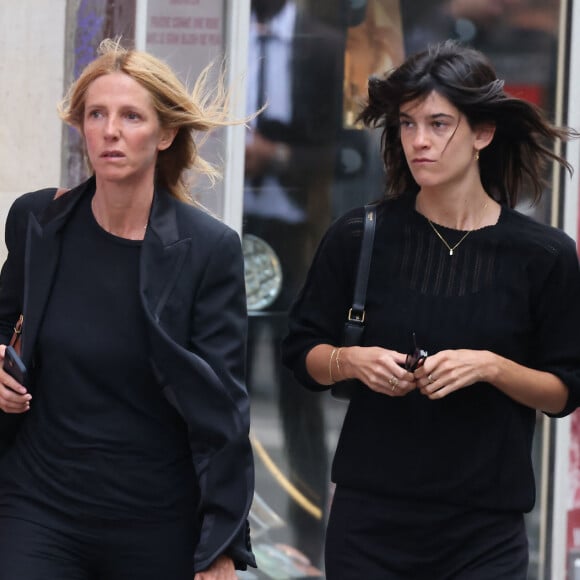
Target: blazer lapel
40,263
41,259
162,255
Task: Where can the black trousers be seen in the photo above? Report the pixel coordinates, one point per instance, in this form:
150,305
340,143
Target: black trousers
371,536
116,551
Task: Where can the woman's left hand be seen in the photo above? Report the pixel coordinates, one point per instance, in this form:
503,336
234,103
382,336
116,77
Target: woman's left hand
222,569
451,370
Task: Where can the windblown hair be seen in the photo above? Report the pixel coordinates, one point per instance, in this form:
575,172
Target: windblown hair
521,148
200,111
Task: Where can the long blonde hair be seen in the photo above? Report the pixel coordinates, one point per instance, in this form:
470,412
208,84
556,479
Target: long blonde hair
192,113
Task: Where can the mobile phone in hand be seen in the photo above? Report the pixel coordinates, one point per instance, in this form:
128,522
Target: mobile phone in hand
14,366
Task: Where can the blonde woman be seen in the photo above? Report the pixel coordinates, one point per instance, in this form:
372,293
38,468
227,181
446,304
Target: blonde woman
132,459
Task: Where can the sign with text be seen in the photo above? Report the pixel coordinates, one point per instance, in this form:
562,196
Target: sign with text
187,34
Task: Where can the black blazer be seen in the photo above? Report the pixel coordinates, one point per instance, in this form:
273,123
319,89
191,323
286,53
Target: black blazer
193,296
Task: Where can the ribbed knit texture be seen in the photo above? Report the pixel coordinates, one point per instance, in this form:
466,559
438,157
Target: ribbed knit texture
511,288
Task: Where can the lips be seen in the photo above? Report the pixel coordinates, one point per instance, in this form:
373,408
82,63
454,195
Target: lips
112,154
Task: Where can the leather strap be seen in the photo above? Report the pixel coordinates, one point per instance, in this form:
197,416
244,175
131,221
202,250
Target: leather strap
355,321
15,340
356,315
364,265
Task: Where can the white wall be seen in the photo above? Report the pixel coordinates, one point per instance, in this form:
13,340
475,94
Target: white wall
32,36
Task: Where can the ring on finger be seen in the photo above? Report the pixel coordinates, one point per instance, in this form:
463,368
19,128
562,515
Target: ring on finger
430,378
394,382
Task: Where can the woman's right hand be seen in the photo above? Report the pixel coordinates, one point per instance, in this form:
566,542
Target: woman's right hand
14,398
380,369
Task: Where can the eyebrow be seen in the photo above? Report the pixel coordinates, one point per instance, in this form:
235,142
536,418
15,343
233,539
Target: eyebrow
122,107
434,116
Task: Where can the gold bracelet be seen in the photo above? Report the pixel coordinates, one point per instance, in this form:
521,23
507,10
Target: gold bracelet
332,381
338,371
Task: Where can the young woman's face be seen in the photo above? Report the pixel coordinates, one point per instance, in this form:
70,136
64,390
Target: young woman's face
438,143
122,131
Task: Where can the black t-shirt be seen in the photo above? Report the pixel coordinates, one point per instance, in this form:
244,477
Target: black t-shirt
100,440
511,288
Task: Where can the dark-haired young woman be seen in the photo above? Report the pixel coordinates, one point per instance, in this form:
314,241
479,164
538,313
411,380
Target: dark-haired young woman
433,466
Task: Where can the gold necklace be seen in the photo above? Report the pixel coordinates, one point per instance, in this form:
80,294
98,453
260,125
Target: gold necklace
450,248
453,248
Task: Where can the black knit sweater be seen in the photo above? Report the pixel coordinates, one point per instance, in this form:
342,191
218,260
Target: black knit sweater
512,288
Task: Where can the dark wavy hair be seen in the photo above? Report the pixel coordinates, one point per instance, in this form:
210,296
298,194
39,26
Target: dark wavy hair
521,148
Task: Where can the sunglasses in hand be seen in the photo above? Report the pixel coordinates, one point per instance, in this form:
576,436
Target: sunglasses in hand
416,358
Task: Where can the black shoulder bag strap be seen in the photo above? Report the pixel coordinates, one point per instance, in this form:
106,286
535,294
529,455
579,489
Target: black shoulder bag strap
355,320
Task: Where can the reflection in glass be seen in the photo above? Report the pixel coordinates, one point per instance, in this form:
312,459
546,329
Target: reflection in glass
295,68
263,272
373,46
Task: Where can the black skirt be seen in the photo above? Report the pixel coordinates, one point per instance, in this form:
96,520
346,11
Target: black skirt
378,538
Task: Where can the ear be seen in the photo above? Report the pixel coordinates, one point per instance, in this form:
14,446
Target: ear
483,135
166,139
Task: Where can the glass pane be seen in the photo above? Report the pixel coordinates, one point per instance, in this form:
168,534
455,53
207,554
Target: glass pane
296,65
307,162
188,35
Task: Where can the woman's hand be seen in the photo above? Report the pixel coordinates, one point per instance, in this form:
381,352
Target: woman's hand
14,398
222,569
451,370
380,369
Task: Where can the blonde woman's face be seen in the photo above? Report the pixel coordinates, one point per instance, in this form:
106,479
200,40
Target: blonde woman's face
122,131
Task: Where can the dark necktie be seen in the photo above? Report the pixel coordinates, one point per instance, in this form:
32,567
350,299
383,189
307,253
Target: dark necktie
263,40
